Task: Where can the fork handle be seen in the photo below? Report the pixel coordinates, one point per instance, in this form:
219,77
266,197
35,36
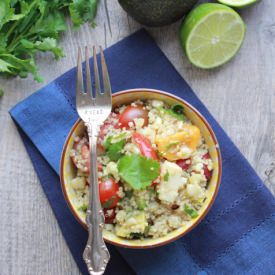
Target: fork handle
96,254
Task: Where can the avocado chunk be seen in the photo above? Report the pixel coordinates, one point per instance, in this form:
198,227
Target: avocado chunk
155,13
135,223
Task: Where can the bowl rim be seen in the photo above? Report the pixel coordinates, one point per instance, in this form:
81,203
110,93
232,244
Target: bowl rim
202,216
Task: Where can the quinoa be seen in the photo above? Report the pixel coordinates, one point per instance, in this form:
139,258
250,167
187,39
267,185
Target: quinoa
174,197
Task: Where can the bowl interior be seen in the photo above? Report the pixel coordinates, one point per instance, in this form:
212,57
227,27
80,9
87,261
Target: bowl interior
68,171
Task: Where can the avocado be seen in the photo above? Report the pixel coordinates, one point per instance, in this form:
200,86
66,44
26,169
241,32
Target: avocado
155,13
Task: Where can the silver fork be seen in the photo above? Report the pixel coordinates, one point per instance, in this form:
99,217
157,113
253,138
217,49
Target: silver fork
93,110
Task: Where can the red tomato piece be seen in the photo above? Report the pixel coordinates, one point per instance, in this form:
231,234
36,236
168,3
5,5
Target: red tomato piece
85,151
130,113
109,215
184,164
75,145
145,146
206,156
99,167
85,155
112,120
108,193
207,172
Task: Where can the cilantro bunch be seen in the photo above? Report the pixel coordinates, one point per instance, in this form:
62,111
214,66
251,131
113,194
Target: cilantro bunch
31,26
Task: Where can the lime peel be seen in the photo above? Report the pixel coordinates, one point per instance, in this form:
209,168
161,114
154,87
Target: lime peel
238,3
211,35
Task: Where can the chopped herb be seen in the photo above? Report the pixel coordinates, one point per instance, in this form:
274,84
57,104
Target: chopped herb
176,111
83,208
118,137
136,235
129,194
190,211
166,176
138,171
141,204
113,150
146,230
107,142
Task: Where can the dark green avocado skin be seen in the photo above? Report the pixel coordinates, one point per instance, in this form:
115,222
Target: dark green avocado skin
156,13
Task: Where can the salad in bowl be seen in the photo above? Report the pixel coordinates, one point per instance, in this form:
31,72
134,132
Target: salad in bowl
157,172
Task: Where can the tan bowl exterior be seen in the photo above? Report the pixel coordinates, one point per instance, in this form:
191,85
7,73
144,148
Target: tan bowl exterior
67,170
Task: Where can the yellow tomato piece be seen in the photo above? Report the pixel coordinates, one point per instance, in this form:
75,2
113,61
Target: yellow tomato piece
190,136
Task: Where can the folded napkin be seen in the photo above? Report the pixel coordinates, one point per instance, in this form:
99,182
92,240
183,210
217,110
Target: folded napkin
238,234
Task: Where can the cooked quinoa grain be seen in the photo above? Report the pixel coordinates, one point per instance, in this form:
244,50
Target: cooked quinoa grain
153,172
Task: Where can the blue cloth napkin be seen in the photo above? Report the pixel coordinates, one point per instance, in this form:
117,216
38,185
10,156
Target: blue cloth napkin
238,234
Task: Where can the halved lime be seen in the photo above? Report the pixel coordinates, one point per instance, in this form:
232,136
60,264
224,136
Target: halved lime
211,35
238,3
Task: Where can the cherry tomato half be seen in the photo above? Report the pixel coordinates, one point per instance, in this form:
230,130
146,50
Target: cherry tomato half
130,113
184,164
108,193
145,146
109,215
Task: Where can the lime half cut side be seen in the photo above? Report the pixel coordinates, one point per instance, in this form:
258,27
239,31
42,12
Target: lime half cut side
211,35
238,3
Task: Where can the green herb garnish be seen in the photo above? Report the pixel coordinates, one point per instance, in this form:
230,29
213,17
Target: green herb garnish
136,235
31,26
113,150
141,204
147,229
138,171
83,208
166,176
190,211
176,111
129,194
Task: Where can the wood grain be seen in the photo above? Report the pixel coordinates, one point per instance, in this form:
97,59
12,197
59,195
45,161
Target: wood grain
240,95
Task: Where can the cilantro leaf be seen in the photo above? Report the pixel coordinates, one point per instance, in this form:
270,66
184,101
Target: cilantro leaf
82,11
138,171
31,26
129,194
114,149
176,111
190,211
5,66
83,208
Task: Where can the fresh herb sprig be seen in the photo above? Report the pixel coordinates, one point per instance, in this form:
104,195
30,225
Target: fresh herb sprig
31,26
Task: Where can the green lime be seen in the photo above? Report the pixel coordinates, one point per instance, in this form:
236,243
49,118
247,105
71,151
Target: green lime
211,35
238,3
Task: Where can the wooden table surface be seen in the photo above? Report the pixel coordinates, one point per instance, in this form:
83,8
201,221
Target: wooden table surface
240,95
